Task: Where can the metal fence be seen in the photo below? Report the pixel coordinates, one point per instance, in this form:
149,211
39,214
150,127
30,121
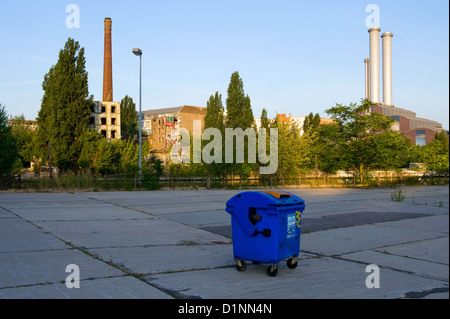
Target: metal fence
131,182
10,181
302,181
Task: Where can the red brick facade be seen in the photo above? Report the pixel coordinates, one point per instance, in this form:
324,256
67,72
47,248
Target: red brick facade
412,134
410,125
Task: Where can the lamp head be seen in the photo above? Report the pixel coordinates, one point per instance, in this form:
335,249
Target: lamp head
137,52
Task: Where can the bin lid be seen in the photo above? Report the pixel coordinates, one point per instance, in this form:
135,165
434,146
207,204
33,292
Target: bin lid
265,198
278,194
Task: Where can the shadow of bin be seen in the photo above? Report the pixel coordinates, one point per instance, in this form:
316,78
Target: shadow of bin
266,228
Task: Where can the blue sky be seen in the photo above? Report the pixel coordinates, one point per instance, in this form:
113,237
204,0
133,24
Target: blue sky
294,57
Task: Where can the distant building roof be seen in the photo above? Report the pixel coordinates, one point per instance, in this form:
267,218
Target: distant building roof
194,109
168,110
326,121
175,110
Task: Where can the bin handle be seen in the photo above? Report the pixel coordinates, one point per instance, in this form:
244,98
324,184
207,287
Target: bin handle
266,232
278,194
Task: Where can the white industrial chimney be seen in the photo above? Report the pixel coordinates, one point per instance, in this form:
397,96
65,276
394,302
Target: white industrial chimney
374,65
387,68
367,73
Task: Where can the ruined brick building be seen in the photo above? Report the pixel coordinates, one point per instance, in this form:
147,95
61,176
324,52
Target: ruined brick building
162,125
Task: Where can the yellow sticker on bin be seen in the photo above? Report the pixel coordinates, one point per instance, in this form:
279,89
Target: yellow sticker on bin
298,219
277,194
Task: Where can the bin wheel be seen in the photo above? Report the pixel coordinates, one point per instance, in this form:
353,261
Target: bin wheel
272,270
241,265
292,263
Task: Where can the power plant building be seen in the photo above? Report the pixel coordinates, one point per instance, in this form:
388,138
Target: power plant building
420,130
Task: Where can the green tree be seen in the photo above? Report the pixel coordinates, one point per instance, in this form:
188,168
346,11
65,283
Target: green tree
239,111
394,149
128,118
311,122
89,144
65,108
115,157
265,122
317,135
436,153
129,156
440,142
103,157
9,152
214,118
23,133
366,140
292,148
152,172
239,115
96,153
326,149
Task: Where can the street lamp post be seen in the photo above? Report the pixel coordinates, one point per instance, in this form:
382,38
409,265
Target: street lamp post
138,52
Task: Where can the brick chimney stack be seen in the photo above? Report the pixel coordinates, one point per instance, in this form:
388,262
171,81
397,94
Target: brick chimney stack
107,67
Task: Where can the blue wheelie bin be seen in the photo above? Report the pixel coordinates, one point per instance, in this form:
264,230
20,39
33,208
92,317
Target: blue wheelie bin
266,228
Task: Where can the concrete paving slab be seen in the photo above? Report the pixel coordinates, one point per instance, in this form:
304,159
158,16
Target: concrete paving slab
179,207
6,214
222,230
36,197
352,219
103,212
411,265
320,209
125,287
40,267
339,195
149,260
128,233
18,235
437,224
131,198
352,239
314,278
17,200
432,250
201,219
418,193
443,295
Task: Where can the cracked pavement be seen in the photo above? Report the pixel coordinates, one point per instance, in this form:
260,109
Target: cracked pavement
177,244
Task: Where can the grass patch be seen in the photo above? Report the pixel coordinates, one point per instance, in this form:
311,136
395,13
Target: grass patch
397,196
